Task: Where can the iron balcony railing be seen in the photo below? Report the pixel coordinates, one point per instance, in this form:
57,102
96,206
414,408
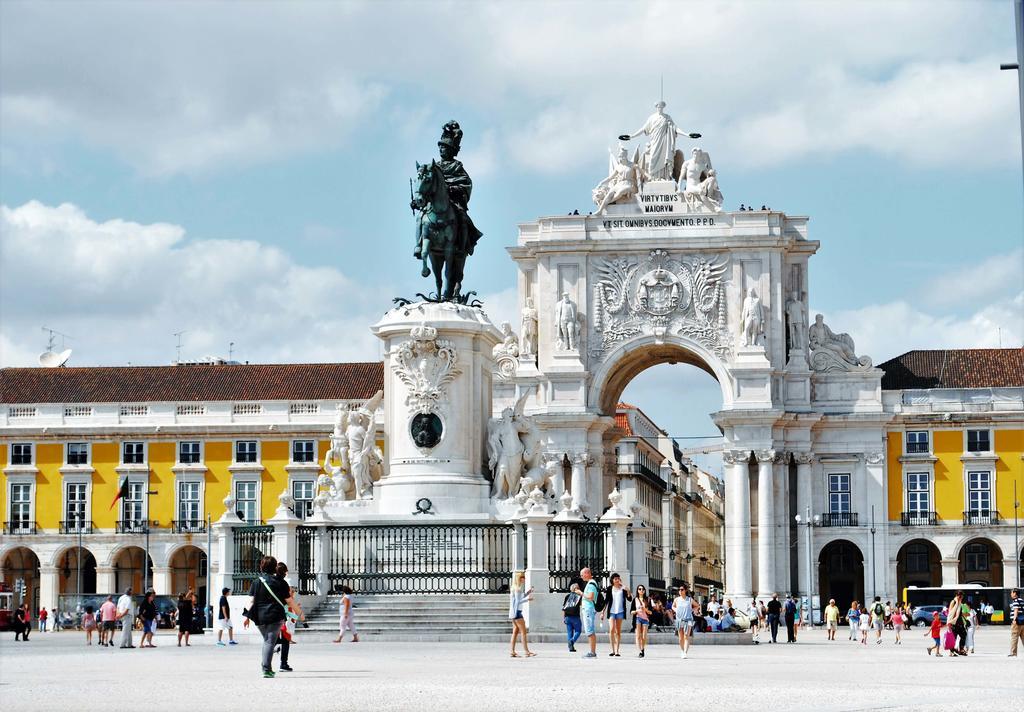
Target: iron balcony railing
134,526
20,527
76,526
634,469
839,519
981,516
188,526
919,519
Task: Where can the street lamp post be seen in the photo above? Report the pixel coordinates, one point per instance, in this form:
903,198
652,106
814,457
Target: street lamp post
1016,540
809,522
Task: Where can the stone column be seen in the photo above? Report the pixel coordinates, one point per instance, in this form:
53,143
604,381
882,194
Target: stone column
163,581
49,590
951,572
874,483
638,573
803,461
223,534
105,583
1010,571
765,522
737,525
580,496
617,553
782,520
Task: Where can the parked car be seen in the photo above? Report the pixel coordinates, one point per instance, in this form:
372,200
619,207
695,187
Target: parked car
923,615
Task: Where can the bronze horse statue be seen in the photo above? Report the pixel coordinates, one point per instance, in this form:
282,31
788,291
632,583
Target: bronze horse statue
437,233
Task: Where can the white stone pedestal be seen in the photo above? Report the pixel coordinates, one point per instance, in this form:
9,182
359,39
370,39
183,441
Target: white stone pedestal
437,364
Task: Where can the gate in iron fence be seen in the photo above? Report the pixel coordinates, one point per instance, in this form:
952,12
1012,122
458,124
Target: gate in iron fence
250,545
305,559
429,558
573,546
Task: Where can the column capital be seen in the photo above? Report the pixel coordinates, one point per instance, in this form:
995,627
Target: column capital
803,457
781,457
731,457
764,456
874,458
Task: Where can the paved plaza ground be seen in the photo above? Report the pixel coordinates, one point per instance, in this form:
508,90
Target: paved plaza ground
57,672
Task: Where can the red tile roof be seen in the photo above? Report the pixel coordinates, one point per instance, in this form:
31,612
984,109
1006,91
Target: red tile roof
622,423
955,368
236,382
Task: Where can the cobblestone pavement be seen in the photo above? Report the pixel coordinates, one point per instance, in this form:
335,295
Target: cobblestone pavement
57,671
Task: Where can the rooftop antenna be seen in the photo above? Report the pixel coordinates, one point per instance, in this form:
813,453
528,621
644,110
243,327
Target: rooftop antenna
50,358
999,334
177,351
231,350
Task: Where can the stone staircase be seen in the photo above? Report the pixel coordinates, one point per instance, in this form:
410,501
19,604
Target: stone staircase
461,617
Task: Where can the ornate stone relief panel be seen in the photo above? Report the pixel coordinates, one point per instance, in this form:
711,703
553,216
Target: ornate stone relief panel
660,294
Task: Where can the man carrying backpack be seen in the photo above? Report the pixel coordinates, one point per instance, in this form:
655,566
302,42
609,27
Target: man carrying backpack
878,618
790,616
593,600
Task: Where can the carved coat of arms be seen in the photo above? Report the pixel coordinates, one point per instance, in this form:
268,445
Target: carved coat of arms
660,294
426,365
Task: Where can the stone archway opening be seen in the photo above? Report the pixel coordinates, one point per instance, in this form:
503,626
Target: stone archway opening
188,572
981,562
129,571
68,565
918,563
841,573
20,568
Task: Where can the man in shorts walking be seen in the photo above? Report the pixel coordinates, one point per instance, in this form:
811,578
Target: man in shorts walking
588,610
832,618
108,621
224,619
878,618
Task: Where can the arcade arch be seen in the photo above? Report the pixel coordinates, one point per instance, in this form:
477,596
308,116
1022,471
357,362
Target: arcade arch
68,563
128,568
918,563
980,561
22,564
188,571
841,573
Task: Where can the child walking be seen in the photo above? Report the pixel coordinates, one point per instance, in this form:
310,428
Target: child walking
897,623
865,626
936,634
88,624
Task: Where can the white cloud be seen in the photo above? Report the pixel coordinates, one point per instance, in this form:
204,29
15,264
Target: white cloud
968,285
174,88
121,289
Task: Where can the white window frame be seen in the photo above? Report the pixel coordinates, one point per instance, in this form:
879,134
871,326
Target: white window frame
248,479
234,452
21,479
88,453
202,452
145,454
189,478
930,490
143,483
906,441
968,471
828,492
76,479
291,451
291,489
991,441
32,454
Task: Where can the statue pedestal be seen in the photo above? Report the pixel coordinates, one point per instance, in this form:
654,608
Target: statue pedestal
437,401
752,372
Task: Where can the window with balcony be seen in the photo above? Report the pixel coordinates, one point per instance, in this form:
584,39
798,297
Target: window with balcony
304,451
917,442
21,509
979,498
133,508
133,453
979,441
246,502
76,513
78,454
918,492
303,492
190,508
21,454
189,452
246,452
839,494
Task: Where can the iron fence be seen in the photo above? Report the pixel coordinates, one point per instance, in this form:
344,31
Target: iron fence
839,519
573,546
981,516
305,559
250,544
20,526
918,519
436,558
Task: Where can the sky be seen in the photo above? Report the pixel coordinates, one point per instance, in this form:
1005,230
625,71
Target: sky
240,172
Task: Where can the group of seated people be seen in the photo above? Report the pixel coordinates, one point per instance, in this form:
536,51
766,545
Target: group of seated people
717,617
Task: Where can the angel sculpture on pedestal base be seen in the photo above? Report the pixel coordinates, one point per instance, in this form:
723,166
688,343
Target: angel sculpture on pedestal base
359,461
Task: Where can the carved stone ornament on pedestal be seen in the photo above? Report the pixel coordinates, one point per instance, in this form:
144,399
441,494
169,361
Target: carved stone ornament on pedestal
831,351
506,353
514,452
426,365
661,294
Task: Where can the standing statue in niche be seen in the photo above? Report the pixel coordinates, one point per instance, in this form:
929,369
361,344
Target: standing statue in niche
660,160
622,184
528,343
796,319
567,323
700,184
831,351
752,318
445,233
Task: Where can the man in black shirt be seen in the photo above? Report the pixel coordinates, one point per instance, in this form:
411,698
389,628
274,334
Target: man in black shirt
269,596
147,612
1016,621
790,617
224,619
774,610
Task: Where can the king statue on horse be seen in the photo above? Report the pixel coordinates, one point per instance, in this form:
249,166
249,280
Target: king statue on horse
445,234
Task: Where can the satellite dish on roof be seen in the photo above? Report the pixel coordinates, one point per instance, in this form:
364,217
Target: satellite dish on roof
51,359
